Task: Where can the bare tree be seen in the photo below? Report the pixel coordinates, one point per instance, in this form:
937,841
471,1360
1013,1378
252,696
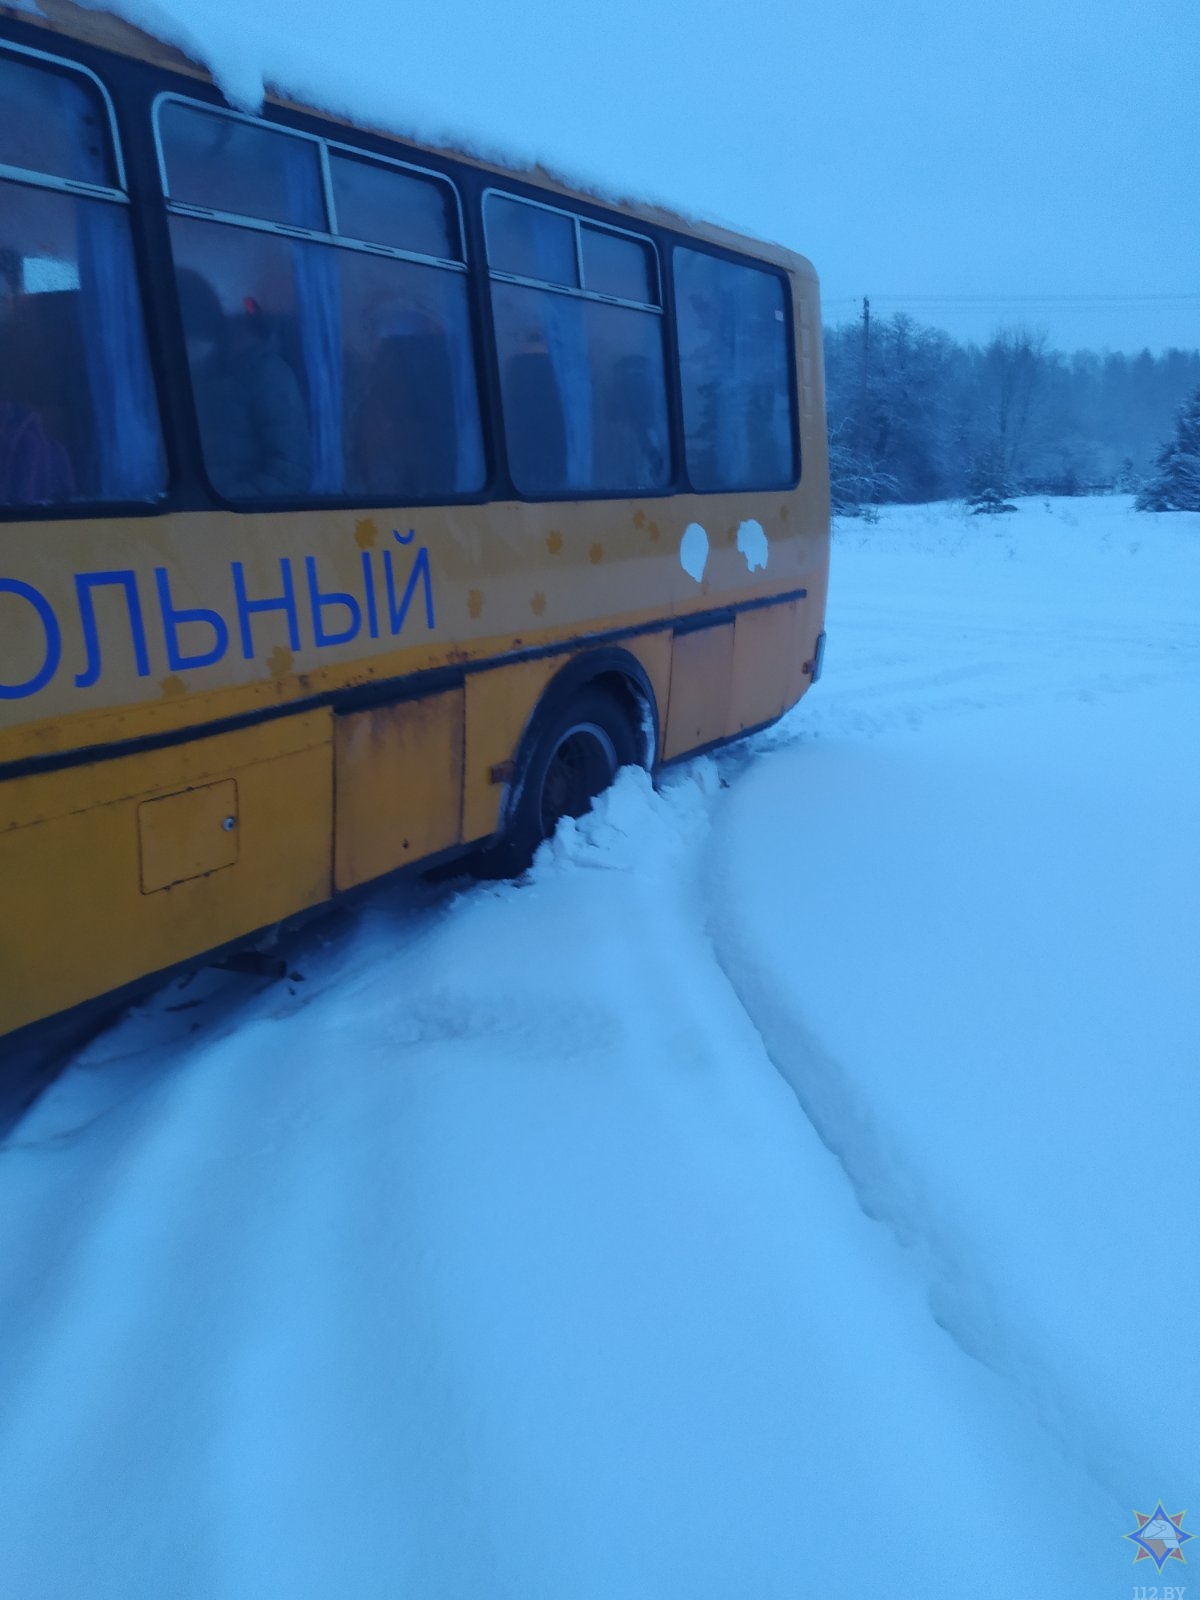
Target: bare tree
1013,365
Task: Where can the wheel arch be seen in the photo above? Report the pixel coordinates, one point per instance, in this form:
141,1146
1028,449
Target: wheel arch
608,667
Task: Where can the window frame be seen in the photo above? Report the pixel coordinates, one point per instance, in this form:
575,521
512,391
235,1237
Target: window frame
185,208
667,338
579,221
89,509
49,180
181,208
700,246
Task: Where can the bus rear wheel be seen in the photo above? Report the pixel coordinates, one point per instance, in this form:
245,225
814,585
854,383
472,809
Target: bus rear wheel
575,756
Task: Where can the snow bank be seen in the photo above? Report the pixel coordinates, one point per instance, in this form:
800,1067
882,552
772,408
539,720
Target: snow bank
996,1025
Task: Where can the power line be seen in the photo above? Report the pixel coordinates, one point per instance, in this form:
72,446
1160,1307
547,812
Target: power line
995,302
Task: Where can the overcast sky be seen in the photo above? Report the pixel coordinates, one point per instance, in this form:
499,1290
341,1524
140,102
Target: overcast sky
974,162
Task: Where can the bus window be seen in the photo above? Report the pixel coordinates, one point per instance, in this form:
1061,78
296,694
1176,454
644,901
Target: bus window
385,205
737,405
618,266
413,417
78,419
582,377
531,241
412,407
230,164
321,367
631,451
55,124
253,418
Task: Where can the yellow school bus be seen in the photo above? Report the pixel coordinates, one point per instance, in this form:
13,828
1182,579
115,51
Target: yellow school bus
361,504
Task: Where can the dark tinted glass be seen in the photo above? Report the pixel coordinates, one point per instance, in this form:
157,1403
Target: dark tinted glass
733,351
78,416
631,452
530,242
583,391
53,122
412,405
323,372
385,205
238,292
613,264
225,164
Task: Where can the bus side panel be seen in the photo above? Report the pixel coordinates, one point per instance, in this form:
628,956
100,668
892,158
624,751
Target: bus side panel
499,706
701,673
88,905
767,652
398,780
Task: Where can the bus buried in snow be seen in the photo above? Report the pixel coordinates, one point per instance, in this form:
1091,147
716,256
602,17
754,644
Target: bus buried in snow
360,504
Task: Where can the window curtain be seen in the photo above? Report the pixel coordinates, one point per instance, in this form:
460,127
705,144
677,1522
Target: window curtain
128,441
565,328
129,451
319,316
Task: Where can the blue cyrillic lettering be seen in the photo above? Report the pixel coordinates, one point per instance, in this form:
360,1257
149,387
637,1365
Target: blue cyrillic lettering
369,590
320,601
420,569
199,616
404,538
45,611
85,582
246,607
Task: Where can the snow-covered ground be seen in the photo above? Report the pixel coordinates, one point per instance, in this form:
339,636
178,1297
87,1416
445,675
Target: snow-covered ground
790,1190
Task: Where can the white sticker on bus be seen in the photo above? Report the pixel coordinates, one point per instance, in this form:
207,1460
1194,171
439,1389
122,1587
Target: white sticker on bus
752,542
693,551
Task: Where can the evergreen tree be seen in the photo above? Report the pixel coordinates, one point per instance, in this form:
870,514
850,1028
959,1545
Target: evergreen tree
988,482
1174,484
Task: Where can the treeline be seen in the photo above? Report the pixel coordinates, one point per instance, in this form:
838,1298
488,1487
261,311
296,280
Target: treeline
914,415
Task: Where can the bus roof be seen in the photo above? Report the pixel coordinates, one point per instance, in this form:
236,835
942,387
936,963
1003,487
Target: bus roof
106,30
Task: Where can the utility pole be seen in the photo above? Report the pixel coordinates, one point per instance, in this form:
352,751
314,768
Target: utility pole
862,391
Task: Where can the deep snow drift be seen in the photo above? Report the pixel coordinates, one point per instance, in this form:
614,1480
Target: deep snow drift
790,1189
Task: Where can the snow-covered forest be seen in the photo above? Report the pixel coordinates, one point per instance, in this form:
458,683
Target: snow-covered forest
915,416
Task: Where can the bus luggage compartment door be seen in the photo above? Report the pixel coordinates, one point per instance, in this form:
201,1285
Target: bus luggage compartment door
701,669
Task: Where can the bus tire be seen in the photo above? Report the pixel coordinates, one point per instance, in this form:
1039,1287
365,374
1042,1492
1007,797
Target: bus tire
574,755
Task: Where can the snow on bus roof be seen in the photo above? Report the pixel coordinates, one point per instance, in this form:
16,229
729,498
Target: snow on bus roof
361,63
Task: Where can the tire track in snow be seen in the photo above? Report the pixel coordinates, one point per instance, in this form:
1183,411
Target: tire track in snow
876,706
889,1190
189,1281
